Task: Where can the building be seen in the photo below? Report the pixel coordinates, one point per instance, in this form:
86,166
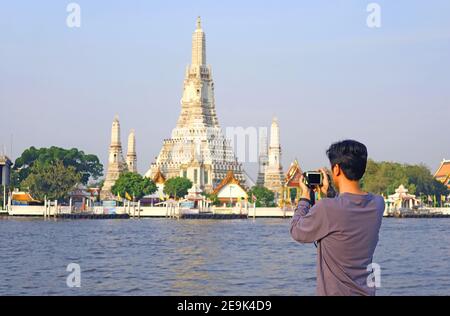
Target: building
291,185
131,153
82,198
230,190
273,171
116,163
159,180
197,149
443,173
270,174
401,200
5,170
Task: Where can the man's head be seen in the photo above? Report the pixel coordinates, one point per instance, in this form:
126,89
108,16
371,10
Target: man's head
348,161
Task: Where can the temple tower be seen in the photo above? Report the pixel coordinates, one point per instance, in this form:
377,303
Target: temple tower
274,176
131,152
116,163
197,149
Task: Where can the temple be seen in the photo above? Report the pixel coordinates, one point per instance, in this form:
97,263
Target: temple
197,149
270,169
116,163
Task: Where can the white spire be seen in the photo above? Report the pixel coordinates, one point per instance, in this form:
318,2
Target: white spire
275,133
116,163
131,142
115,132
131,152
274,177
198,45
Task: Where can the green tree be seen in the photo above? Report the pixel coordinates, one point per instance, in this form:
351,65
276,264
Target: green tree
88,166
53,181
177,187
133,184
386,177
264,196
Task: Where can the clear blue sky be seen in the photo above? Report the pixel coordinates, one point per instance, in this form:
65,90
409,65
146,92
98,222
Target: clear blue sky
314,64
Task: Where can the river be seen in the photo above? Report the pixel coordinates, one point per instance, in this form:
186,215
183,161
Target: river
204,257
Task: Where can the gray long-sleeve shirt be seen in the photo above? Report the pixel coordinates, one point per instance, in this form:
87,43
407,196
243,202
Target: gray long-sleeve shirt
346,229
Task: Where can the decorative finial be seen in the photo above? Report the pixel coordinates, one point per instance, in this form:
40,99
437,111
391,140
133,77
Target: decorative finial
199,23
116,118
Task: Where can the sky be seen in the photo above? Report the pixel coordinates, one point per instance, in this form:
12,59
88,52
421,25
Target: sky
315,65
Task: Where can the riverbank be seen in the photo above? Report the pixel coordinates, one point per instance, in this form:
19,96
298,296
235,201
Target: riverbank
150,212
126,212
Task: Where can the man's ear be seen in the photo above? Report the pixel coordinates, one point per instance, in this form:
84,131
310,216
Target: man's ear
336,170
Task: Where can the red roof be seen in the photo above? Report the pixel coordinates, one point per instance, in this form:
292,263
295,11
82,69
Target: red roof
444,170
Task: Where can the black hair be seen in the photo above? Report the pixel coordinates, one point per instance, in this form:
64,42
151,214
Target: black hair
351,156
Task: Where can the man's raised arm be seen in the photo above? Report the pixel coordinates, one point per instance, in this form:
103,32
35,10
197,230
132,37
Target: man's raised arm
310,224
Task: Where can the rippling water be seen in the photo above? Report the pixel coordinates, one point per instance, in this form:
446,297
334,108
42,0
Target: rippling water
188,257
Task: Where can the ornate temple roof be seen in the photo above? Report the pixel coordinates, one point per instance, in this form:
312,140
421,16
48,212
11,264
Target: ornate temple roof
229,179
443,173
444,169
159,178
293,175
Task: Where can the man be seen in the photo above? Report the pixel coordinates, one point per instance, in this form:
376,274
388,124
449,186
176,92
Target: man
345,227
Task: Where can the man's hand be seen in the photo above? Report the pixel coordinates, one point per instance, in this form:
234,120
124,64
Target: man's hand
325,183
306,193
